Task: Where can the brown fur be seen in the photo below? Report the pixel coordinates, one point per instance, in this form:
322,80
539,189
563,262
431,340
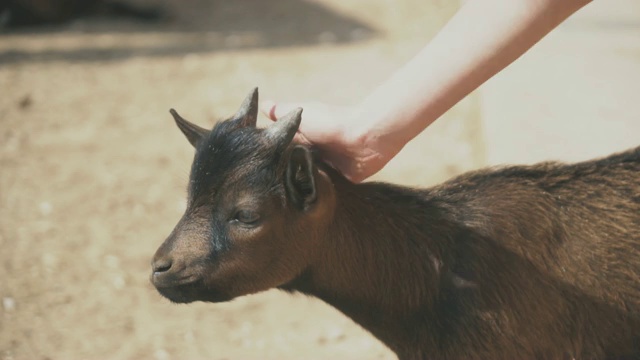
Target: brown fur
522,262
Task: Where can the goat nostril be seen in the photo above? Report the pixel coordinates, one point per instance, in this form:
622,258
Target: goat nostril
161,265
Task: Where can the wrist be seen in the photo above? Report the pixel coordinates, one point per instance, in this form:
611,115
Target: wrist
370,137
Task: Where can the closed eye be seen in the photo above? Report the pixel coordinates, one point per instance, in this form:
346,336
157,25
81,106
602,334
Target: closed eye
248,217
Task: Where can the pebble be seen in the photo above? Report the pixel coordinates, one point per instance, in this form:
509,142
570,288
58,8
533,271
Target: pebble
45,208
8,303
161,354
335,334
112,261
49,261
118,282
189,337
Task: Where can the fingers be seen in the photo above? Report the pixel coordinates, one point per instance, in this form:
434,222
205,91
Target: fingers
321,136
274,111
268,108
347,166
299,138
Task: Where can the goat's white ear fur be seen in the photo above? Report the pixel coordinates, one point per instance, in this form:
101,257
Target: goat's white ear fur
193,132
299,178
247,115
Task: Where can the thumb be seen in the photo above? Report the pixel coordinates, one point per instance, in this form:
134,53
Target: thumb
275,111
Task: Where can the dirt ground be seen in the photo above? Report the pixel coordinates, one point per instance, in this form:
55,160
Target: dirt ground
93,171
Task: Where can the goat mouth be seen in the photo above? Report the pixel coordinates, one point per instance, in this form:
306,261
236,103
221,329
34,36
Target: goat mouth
189,292
167,280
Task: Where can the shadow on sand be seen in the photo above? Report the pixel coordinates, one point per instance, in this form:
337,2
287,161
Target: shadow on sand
187,27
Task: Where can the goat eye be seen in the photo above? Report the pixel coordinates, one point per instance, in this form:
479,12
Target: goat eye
247,216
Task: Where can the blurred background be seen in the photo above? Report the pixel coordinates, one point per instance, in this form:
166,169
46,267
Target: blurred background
93,171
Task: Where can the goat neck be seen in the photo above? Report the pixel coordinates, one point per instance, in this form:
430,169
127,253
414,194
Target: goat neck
380,233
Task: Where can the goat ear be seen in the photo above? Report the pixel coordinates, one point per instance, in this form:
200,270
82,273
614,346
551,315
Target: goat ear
193,132
299,180
247,115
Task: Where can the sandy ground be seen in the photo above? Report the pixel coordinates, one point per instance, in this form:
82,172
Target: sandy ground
93,171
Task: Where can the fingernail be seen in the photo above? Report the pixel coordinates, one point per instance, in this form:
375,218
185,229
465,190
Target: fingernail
269,108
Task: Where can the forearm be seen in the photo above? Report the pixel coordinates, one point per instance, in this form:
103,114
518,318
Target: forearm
480,40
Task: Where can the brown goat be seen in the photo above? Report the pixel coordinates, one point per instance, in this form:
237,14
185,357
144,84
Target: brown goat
521,262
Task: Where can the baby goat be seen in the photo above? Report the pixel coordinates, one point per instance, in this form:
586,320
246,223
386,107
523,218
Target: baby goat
522,262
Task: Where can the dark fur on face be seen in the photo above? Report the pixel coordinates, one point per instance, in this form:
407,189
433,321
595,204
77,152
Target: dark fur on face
520,262
223,246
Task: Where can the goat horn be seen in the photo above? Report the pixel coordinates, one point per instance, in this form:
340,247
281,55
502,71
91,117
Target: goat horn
283,131
247,115
193,132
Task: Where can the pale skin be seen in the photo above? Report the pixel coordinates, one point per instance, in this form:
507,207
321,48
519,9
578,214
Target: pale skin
481,39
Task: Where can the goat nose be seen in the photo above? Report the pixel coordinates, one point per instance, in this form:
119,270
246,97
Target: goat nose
161,265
